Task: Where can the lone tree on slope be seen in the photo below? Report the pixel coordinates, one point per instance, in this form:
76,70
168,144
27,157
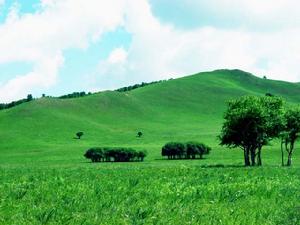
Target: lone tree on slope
29,98
79,134
139,134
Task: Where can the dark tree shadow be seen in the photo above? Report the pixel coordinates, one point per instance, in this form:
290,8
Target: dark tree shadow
113,162
166,159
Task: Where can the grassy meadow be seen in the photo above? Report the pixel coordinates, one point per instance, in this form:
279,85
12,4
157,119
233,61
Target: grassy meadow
44,178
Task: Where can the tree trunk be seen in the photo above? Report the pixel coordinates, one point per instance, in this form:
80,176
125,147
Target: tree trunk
289,162
290,152
246,157
282,153
259,162
253,157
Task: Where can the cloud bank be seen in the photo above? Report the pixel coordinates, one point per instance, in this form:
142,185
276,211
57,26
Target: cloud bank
42,37
157,50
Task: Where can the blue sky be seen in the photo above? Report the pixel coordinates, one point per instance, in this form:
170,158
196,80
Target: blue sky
60,46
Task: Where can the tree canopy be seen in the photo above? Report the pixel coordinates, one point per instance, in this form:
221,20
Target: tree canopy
114,154
250,123
189,150
290,132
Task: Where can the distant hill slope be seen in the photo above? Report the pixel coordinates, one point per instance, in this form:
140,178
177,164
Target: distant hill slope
188,108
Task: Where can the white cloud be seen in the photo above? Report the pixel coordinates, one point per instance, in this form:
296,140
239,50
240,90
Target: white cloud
253,14
258,7
43,36
118,55
253,6
112,72
157,50
162,51
43,74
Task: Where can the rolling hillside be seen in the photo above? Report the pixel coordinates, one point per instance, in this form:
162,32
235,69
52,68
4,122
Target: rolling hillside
44,178
189,108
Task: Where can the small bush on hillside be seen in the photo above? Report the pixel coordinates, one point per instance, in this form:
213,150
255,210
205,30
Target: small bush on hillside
29,98
189,150
79,134
115,155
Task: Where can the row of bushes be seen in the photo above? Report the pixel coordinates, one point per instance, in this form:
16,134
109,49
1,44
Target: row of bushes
173,150
15,103
189,150
143,84
75,95
115,155
30,98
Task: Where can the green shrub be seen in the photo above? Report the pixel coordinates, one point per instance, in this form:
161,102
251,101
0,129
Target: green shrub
139,134
174,150
95,154
75,95
189,150
79,134
115,154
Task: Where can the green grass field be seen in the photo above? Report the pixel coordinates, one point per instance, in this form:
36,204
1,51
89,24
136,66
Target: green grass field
46,180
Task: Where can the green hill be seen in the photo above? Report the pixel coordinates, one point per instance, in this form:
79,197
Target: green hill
189,108
44,178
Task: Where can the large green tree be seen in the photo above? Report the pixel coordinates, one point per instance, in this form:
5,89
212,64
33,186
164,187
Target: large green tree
250,123
290,132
